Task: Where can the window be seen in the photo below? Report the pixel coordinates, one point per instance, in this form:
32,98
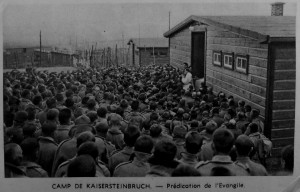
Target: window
228,60
242,63
163,53
217,58
155,53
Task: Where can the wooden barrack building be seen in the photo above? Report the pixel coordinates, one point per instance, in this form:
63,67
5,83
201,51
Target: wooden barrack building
252,58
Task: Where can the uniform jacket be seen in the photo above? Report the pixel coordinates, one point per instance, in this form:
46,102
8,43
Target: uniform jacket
12,171
115,136
221,161
47,152
34,170
162,171
253,168
206,152
101,169
188,159
136,168
67,149
119,157
62,133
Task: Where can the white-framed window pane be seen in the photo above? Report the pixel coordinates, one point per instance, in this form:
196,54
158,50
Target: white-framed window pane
244,64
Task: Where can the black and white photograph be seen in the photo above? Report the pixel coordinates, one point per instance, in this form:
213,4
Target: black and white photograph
190,92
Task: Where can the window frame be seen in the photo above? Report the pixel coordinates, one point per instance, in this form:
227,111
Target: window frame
219,63
240,69
232,60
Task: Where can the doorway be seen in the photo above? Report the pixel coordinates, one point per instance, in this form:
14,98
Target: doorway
198,55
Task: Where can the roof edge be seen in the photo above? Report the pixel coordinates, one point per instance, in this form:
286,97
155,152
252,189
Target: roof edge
234,29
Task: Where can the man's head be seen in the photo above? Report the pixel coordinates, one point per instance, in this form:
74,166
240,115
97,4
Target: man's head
81,120
92,115
211,127
30,148
193,142
144,144
287,157
164,153
155,130
114,119
102,128
48,129
52,114
13,154
84,137
223,141
101,112
82,166
243,145
88,148
64,116
135,105
131,134
20,117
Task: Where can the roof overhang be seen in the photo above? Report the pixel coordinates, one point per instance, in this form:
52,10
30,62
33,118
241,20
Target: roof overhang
237,30
282,39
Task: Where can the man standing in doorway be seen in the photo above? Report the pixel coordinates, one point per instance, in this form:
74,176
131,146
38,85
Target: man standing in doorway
186,77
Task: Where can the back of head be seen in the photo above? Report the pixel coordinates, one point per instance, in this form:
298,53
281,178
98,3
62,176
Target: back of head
287,154
81,120
164,153
211,127
20,117
223,140
13,154
29,130
185,171
92,115
193,142
102,127
155,130
221,171
30,113
64,116
253,127
82,166
84,137
243,145
88,148
101,112
135,105
51,103
131,134
144,144
52,114
254,113
114,119
91,103
29,147
179,131
48,128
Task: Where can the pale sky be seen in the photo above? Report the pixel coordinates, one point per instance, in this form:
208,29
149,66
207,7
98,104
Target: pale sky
98,22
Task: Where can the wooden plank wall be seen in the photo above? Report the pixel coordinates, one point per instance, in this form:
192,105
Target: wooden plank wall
249,87
180,48
283,113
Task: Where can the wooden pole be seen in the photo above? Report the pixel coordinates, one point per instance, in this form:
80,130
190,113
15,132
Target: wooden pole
40,48
117,63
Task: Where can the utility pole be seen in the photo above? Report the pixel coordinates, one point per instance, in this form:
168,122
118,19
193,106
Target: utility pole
123,58
169,20
117,56
40,48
